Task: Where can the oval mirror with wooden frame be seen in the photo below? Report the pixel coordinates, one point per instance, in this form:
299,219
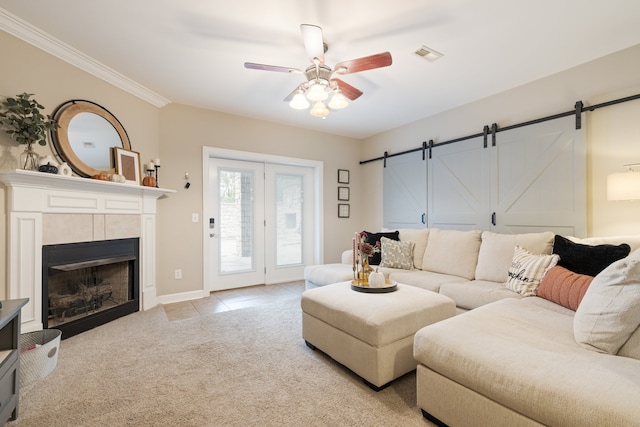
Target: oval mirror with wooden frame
86,136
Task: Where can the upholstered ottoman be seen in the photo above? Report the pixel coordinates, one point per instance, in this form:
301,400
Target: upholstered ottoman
370,333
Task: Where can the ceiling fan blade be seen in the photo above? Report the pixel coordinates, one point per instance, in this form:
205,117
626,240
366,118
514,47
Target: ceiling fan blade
347,90
313,43
254,66
362,64
291,95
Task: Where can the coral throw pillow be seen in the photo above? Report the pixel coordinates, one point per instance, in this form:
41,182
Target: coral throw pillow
564,287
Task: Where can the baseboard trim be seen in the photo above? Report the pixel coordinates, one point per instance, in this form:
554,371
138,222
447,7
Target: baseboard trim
181,297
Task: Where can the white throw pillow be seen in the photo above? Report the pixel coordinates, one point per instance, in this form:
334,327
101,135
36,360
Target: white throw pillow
527,270
496,252
396,254
610,310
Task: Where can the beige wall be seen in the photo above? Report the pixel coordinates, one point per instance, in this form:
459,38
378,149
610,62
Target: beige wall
177,133
184,133
53,81
613,133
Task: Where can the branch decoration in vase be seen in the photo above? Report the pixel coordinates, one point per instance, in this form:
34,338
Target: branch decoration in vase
362,251
22,119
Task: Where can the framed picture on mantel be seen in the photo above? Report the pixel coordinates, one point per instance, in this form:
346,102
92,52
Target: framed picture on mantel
127,165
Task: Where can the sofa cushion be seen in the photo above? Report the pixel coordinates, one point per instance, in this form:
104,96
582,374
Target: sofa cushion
496,252
452,252
396,254
424,279
608,313
374,238
587,259
564,287
633,240
473,294
527,270
419,237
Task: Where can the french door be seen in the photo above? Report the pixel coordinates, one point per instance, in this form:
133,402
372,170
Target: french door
261,228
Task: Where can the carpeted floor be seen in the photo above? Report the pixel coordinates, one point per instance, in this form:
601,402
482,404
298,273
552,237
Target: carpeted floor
237,368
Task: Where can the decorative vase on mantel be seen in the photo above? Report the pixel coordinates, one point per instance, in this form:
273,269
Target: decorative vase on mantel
29,159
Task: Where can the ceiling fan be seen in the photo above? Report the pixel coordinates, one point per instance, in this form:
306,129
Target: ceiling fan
320,81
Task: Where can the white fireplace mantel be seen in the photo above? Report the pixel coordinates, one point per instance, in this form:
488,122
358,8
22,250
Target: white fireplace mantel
32,195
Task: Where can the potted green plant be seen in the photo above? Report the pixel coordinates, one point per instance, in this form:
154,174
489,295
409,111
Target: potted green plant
22,119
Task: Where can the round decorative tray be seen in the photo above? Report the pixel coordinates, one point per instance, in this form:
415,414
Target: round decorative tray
390,286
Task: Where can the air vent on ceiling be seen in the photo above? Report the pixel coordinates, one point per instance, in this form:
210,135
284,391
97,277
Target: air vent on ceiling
428,53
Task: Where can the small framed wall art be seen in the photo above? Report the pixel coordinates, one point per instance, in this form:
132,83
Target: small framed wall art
343,193
343,176
128,165
343,210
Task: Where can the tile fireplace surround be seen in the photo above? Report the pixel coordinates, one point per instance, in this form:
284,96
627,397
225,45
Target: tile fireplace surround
45,209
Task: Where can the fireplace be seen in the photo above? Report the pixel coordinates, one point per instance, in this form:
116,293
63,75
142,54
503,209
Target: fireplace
88,284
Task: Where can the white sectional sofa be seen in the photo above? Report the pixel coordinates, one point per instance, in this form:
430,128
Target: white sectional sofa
513,359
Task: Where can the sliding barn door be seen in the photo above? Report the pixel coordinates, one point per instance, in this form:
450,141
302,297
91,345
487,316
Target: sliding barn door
539,178
404,192
533,179
458,186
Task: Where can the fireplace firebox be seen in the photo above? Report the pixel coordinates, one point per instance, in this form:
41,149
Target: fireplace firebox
88,284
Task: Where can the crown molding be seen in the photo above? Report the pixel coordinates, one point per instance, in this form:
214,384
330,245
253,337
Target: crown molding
38,38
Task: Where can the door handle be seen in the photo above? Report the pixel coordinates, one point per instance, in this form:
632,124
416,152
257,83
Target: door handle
213,235
424,218
493,218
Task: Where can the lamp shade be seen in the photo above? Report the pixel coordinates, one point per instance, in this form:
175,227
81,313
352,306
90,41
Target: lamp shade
623,186
299,102
338,101
319,110
317,92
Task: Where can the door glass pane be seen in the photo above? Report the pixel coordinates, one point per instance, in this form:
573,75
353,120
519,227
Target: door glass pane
236,220
288,219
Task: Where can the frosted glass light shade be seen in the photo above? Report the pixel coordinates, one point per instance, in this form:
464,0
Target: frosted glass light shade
317,92
623,186
319,110
338,101
299,102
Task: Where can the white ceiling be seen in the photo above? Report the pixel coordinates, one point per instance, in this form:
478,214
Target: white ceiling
192,51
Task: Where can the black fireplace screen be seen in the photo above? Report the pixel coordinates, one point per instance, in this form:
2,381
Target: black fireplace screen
88,284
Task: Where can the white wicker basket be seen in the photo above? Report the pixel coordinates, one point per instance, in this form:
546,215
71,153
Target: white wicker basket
39,354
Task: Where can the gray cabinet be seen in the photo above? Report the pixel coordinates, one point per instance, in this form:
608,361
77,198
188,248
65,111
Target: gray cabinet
10,358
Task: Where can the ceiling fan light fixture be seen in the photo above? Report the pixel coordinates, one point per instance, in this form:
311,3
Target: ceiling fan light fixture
338,100
317,91
299,101
319,110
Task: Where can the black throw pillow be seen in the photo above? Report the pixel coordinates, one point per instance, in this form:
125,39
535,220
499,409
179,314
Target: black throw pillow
373,238
587,259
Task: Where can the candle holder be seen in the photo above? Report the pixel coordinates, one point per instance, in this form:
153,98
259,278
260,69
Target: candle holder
156,172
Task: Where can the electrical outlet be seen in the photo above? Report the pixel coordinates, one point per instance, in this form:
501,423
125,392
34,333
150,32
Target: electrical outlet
194,217
178,273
